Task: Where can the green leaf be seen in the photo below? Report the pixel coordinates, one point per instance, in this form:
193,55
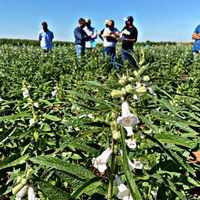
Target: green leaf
16,116
174,189
49,104
88,185
77,122
173,139
149,124
6,135
74,181
52,192
175,121
166,103
174,156
59,164
129,177
51,117
192,115
98,85
78,144
13,161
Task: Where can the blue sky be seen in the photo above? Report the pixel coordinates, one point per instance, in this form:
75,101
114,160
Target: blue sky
156,20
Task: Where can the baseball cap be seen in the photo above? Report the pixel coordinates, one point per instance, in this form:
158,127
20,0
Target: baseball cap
106,21
129,18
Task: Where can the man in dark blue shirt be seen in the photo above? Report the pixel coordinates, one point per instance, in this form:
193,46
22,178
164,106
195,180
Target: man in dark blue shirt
80,37
129,37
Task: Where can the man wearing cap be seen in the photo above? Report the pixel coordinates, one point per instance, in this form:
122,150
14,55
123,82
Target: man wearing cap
45,38
110,36
129,36
196,46
92,32
101,32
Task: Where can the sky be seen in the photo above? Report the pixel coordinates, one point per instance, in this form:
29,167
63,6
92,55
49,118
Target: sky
156,20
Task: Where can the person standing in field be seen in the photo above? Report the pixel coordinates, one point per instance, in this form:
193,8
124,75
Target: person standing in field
46,37
196,46
80,38
92,33
101,32
129,36
110,36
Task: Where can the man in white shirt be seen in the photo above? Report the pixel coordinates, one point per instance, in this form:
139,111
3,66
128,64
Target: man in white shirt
46,38
92,32
110,36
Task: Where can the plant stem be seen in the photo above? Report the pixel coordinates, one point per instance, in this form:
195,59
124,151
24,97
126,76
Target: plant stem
111,175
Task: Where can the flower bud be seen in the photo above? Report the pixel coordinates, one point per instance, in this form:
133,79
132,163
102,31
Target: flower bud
145,78
128,88
18,187
116,135
141,89
117,93
135,73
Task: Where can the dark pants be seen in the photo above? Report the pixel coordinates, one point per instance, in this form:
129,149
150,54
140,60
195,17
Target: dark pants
126,55
112,52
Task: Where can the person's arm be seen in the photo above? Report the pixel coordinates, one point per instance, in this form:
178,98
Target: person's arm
39,37
196,36
134,37
79,36
94,35
52,36
111,35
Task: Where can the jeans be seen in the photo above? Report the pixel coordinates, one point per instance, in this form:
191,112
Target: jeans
112,52
195,54
79,50
126,55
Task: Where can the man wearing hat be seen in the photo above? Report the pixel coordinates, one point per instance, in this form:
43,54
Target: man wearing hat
129,34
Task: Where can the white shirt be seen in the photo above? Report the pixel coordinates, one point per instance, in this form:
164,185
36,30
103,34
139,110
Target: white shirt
107,42
90,31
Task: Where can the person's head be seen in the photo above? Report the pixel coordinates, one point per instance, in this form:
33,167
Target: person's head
129,20
88,22
106,22
44,26
111,23
81,23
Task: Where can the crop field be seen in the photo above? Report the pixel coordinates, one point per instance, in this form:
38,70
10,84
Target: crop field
79,129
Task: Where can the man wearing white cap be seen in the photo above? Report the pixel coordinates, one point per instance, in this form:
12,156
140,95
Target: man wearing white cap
129,34
110,36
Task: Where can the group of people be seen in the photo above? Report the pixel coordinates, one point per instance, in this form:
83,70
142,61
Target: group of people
85,36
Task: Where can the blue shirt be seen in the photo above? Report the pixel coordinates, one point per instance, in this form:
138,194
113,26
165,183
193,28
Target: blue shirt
80,36
45,39
196,46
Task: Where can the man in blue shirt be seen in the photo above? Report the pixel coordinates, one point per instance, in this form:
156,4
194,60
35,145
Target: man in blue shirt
45,38
196,46
80,37
129,36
